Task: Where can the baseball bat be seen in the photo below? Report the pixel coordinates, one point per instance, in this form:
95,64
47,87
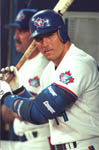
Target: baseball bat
61,7
26,55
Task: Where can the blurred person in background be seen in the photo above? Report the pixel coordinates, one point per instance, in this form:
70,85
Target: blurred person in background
31,136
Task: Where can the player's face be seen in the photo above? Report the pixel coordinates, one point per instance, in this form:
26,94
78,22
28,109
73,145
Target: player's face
22,40
51,47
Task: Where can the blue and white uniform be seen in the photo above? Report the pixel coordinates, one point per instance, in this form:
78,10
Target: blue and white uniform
77,73
69,96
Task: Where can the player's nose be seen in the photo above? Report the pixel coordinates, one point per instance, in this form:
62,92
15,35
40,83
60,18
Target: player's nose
16,35
45,41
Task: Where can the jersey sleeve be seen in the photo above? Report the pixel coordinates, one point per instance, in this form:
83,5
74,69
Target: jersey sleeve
75,77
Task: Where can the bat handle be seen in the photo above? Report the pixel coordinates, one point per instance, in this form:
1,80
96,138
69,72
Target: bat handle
26,55
20,64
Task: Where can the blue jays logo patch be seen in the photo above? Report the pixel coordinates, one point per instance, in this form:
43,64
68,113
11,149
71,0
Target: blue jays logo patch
20,16
66,77
39,22
35,82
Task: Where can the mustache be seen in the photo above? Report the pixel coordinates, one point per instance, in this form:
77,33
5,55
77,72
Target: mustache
18,41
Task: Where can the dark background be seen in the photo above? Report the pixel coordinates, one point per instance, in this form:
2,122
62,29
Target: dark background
9,9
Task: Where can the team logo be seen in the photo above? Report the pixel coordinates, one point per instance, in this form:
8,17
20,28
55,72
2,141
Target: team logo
35,82
20,16
66,77
39,22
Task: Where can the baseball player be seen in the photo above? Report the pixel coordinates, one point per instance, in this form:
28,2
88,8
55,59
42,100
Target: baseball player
30,136
69,95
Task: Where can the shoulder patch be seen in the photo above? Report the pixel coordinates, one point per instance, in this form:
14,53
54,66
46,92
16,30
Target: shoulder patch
66,77
35,82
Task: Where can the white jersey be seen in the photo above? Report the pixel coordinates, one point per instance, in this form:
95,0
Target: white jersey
78,74
30,74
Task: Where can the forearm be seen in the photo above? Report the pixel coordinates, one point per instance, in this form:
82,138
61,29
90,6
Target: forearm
29,99
28,111
49,104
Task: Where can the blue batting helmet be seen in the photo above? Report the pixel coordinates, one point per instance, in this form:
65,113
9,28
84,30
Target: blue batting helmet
46,21
22,19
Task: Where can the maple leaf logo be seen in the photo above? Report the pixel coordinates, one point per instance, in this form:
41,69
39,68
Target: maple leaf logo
66,77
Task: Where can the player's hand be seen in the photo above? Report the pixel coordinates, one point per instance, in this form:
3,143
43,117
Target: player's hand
11,76
4,88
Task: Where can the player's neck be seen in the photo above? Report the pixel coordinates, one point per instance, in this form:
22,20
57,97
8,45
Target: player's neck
59,59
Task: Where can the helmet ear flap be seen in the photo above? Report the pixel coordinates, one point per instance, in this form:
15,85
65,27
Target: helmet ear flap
63,35
60,37
63,32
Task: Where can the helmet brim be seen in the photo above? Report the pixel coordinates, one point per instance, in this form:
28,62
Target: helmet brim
44,31
13,25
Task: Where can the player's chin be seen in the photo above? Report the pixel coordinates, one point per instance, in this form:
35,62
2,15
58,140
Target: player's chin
20,50
18,47
49,57
48,54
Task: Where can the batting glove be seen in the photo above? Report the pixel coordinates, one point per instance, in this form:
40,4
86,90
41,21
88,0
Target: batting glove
11,76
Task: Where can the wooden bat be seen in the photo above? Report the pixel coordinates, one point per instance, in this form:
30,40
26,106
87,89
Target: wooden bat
26,55
61,7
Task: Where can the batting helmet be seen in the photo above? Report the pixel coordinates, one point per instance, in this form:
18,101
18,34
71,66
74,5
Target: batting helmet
46,21
22,19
